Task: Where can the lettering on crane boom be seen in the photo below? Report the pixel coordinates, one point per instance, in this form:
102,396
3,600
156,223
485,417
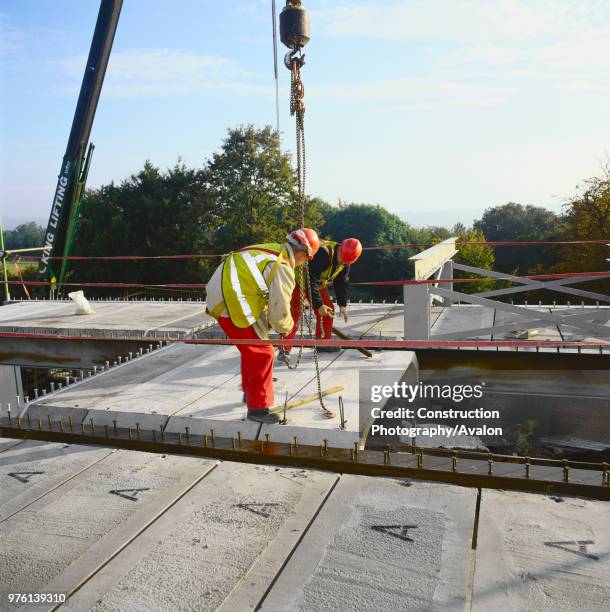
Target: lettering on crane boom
54,219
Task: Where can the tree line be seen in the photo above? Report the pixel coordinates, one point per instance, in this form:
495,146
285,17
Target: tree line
246,193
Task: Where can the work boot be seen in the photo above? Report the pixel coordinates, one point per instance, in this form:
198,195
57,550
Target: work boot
263,416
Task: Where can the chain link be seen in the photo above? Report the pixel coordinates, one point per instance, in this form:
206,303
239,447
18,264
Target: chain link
297,108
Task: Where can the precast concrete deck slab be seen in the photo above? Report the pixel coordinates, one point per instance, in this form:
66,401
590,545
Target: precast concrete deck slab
199,387
58,540
136,531
224,541
460,318
538,553
116,328
382,544
31,469
145,319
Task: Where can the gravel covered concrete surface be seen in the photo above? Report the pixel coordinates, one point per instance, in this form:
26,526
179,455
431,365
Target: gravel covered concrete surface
200,550
52,535
382,544
129,531
542,553
31,469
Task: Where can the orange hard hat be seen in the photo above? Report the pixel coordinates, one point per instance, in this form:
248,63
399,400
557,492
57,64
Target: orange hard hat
305,237
349,250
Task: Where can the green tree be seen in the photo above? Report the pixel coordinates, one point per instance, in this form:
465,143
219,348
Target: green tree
153,212
586,216
475,255
373,226
24,236
515,222
253,187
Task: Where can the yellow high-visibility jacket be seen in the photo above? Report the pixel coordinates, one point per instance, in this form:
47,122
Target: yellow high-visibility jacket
329,275
253,287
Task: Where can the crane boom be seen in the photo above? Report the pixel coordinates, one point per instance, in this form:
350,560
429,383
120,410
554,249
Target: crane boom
75,165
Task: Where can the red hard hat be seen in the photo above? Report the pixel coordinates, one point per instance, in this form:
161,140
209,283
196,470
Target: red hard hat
306,237
349,250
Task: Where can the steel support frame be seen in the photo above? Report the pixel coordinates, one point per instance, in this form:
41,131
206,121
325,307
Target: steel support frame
452,467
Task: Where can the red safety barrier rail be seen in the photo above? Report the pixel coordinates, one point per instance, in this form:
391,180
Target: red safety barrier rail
491,243
392,344
429,281
413,245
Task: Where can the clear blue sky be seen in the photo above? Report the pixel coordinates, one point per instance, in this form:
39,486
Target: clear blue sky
435,109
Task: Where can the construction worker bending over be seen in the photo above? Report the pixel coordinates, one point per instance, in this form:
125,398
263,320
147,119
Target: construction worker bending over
331,264
250,293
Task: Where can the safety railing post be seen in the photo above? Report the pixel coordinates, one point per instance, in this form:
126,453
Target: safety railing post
447,274
416,312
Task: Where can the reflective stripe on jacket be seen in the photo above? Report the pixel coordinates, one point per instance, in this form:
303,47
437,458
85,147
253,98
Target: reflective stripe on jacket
244,288
329,275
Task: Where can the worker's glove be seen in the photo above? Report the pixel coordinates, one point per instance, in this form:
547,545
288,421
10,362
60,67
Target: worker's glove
343,311
326,311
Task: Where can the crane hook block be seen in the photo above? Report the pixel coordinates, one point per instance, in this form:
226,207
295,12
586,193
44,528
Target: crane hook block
294,25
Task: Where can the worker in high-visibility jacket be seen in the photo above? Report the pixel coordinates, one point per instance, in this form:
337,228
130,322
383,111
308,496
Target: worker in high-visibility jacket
250,293
331,265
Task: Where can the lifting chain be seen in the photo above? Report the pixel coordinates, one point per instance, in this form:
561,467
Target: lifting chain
295,61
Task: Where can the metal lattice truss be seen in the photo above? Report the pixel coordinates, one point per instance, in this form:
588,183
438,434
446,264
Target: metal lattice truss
589,322
437,262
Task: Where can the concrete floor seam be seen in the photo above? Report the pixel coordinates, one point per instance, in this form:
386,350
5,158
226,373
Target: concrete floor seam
198,398
61,484
125,544
298,542
472,560
17,443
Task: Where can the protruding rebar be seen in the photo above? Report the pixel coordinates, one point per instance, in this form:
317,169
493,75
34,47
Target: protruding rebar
341,413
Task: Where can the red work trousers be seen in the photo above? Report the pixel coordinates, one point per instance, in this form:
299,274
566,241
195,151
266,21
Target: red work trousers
325,323
256,366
